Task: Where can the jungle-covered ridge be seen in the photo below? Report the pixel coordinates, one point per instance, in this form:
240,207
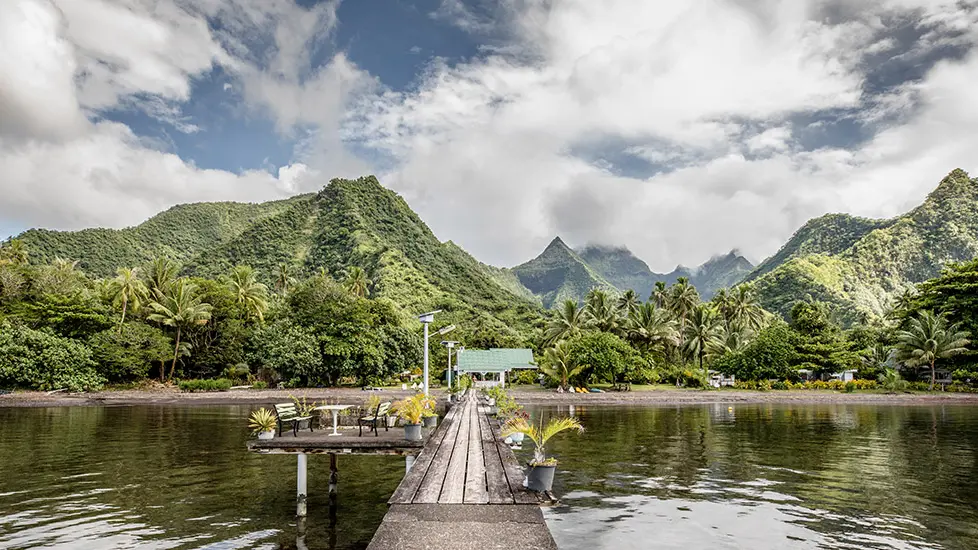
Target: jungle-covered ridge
324,287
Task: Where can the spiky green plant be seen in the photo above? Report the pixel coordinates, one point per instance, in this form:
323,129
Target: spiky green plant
262,420
892,382
541,434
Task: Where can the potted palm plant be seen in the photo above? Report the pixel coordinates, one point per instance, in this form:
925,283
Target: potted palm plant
541,474
263,423
411,410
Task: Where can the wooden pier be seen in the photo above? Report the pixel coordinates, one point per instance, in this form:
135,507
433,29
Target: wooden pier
465,490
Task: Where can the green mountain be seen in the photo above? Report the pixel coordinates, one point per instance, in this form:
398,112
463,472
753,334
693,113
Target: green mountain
624,270
559,274
182,232
860,265
620,267
348,223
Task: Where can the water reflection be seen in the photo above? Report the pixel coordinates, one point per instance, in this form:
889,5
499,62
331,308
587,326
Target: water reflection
172,477
768,476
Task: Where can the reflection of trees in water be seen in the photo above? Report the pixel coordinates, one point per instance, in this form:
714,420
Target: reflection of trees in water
167,465
911,462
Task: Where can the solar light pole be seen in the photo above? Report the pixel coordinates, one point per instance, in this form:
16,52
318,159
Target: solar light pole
449,344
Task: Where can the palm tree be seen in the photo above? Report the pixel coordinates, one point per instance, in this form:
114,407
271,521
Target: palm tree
891,381
660,295
356,282
902,303
283,278
651,326
733,337
703,332
558,364
14,252
181,308
744,309
127,289
599,312
928,339
628,302
248,292
682,299
878,357
162,272
569,321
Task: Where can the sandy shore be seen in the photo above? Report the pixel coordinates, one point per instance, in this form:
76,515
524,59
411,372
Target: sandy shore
526,396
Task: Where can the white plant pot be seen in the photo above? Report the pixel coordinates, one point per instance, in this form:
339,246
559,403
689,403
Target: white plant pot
517,438
266,435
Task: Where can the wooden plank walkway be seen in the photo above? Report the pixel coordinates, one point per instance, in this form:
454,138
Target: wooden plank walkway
464,491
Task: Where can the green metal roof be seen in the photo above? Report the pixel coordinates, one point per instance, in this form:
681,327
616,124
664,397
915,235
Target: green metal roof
495,360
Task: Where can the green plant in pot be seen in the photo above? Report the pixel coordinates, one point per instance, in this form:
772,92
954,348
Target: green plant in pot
263,423
430,415
541,474
412,410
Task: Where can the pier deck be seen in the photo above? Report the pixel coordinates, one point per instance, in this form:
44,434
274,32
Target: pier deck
465,490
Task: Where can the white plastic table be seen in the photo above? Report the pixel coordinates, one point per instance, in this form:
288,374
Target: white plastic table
335,409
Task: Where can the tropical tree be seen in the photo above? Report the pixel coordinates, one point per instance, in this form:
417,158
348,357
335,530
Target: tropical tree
660,294
558,364
161,273
902,303
628,302
650,326
703,332
180,308
356,282
126,290
13,252
248,292
683,298
929,338
891,381
283,278
570,320
743,308
600,312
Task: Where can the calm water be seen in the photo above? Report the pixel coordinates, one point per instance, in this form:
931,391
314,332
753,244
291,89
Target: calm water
691,477
769,476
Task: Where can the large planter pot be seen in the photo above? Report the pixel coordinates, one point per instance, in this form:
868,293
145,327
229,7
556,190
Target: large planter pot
266,435
430,421
490,401
540,478
492,410
391,421
412,432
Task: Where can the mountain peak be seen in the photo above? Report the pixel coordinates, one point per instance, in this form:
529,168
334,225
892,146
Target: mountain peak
557,243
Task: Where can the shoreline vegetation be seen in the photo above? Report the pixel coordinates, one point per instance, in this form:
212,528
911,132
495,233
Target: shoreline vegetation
524,395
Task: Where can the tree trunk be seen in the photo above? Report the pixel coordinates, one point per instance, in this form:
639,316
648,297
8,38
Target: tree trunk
176,350
123,321
933,375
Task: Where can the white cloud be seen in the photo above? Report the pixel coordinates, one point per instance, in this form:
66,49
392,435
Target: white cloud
65,62
485,148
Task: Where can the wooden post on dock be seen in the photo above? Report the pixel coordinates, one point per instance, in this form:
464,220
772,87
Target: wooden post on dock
300,486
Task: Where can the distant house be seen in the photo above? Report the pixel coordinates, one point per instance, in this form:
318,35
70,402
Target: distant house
489,366
718,379
807,375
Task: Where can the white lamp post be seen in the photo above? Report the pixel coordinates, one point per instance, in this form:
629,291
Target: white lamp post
426,319
449,344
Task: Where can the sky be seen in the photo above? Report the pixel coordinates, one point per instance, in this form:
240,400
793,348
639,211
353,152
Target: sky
681,130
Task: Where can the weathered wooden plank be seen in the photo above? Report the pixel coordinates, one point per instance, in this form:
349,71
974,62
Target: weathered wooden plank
514,472
453,490
430,488
476,491
496,482
408,488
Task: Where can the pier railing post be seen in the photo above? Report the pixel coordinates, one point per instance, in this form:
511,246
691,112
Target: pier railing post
300,486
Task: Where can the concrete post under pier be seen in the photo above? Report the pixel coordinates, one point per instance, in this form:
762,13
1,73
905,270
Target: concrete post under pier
300,486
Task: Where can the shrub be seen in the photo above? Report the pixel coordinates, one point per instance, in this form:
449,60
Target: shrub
128,352
205,385
525,376
645,375
769,355
260,385
39,360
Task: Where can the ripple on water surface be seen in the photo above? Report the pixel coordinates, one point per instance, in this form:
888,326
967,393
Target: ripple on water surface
171,477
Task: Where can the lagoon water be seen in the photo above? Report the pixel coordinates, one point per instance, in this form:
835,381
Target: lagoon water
708,476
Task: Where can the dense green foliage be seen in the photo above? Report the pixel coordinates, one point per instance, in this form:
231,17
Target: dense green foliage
861,266
42,361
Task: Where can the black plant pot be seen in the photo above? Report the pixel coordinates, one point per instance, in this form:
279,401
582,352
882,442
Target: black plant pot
430,421
540,478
